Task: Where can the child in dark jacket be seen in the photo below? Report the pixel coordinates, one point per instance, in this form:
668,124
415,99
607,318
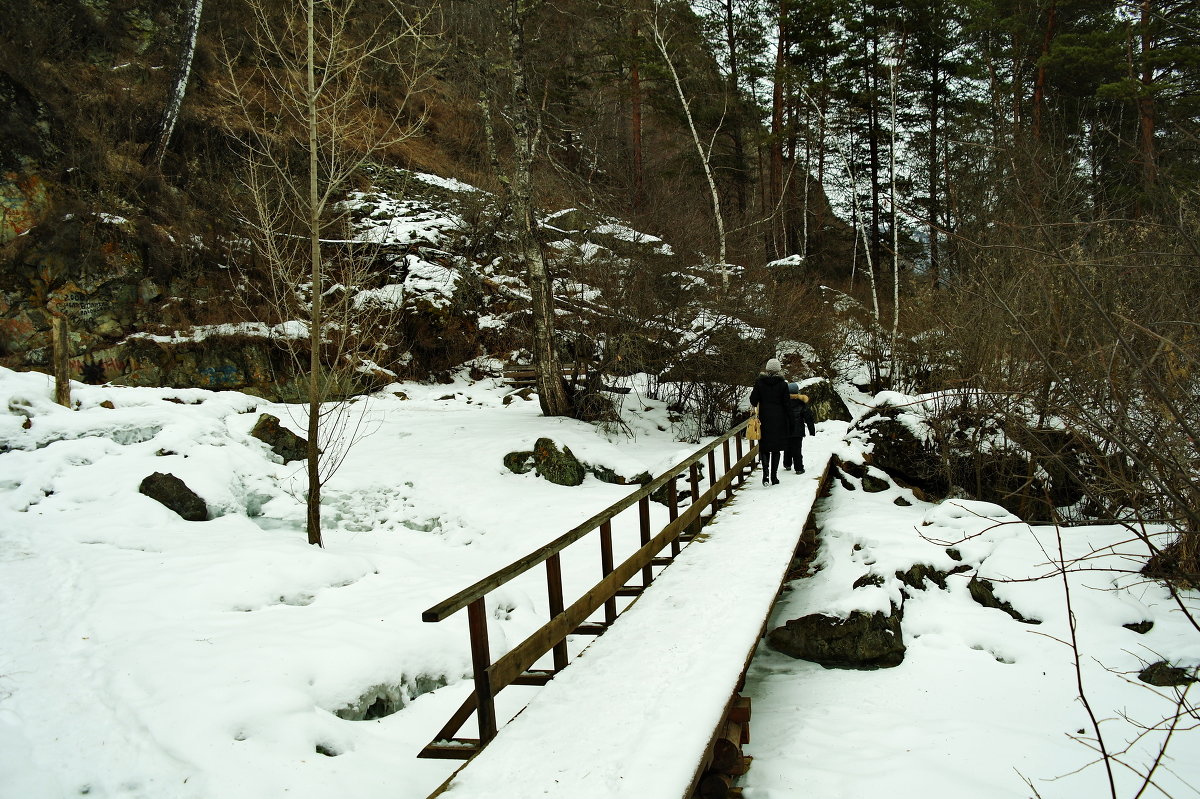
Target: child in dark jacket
800,418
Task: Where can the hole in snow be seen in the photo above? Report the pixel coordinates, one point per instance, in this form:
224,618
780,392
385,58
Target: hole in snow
384,700
378,709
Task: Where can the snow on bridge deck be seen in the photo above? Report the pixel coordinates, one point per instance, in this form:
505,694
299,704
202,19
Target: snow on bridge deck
634,714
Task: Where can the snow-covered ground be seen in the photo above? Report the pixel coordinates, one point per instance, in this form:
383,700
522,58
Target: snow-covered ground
982,703
145,656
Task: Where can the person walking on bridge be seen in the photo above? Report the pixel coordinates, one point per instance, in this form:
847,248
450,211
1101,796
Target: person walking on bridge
770,397
801,419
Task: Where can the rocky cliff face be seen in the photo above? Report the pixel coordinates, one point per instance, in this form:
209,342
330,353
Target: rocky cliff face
452,292
150,268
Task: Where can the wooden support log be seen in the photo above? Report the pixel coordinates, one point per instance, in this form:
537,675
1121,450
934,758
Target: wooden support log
534,677
727,749
740,712
714,785
596,628
451,749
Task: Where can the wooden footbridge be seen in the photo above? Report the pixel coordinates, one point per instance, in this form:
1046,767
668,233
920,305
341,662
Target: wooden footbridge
652,707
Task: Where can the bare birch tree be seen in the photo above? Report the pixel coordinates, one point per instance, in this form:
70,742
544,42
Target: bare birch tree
308,134
194,9
893,61
552,393
705,154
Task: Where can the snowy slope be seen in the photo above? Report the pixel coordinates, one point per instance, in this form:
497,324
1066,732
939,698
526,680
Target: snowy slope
982,702
145,656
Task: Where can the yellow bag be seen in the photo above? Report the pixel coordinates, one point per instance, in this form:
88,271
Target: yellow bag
754,429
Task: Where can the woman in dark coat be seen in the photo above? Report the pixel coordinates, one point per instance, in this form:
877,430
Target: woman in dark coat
770,396
802,419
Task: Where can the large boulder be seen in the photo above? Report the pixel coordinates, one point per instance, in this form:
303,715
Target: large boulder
174,494
1164,675
558,466
824,401
283,442
860,641
984,593
520,462
896,450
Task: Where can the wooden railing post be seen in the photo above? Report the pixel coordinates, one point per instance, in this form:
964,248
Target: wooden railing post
741,472
725,456
606,566
712,482
481,659
694,481
555,590
644,529
673,511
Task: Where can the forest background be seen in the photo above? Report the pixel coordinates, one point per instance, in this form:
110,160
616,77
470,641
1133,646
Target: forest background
1004,192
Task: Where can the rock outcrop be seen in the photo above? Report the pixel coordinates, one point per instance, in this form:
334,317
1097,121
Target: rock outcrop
860,641
1164,675
984,593
824,401
560,467
173,493
283,442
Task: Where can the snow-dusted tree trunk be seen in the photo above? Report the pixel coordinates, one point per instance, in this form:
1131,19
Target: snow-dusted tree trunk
804,204
183,70
552,393
705,156
895,220
315,328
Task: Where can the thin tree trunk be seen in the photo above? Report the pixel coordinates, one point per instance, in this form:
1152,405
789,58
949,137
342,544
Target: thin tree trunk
61,348
183,70
635,120
552,393
895,228
873,132
807,181
934,167
1015,68
315,321
1146,105
1039,85
823,108
708,173
776,160
740,177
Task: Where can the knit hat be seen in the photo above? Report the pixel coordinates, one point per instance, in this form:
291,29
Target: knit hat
794,388
774,367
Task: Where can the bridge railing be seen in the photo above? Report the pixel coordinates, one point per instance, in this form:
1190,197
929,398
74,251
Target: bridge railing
515,667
